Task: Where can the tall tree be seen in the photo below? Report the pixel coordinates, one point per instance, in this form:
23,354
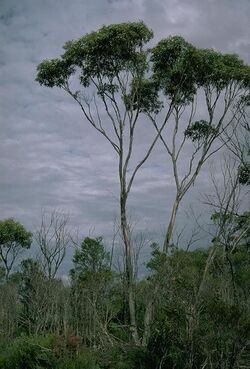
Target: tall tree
206,92
115,81
110,66
189,78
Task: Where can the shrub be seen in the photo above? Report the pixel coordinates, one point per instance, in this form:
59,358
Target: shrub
82,360
25,353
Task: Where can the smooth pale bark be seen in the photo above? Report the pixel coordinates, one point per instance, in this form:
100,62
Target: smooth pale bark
129,268
148,316
170,228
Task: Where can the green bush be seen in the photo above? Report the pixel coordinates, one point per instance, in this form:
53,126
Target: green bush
82,360
38,352
128,357
26,353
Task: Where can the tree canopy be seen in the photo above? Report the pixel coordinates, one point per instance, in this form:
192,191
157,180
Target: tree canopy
13,239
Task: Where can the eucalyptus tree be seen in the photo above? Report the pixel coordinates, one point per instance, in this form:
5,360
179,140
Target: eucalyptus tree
189,79
207,91
105,71
14,238
115,81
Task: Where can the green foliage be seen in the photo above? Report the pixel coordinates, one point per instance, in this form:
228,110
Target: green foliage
26,353
2,274
54,72
198,315
200,311
93,290
13,239
181,69
13,233
108,51
238,226
173,66
144,96
219,70
157,263
243,223
127,357
194,324
178,67
82,360
244,173
91,257
200,131
31,277
174,61
104,53
39,352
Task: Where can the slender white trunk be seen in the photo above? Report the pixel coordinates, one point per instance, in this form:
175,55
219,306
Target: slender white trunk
170,228
128,268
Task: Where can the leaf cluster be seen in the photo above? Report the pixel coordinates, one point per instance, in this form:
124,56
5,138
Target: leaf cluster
173,64
244,173
104,53
200,131
180,68
90,258
108,57
12,232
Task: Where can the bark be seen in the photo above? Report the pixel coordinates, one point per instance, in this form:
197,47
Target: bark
128,268
170,228
148,316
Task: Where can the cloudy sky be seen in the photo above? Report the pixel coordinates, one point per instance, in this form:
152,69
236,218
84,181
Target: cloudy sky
49,157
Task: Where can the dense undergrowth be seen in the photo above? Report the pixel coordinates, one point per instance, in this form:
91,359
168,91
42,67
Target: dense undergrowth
51,351
200,315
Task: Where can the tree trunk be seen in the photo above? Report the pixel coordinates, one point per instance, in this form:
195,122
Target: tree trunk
166,245
128,268
149,315
170,229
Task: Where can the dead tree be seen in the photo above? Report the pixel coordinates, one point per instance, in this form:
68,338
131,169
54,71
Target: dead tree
53,238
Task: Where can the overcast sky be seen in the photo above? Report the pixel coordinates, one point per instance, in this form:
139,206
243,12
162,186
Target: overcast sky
49,157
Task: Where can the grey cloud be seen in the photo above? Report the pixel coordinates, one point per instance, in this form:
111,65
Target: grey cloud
50,157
